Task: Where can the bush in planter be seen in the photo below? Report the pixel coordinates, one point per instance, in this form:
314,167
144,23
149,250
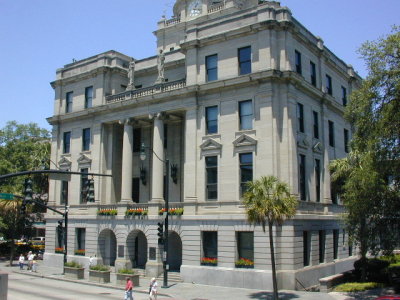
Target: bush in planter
100,268
126,271
73,264
244,263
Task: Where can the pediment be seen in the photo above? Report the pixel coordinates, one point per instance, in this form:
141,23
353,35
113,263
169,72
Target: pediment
318,147
244,140
302,141
64,163
210,144
84,160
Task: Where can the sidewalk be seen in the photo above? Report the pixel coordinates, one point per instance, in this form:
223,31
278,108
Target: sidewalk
192,291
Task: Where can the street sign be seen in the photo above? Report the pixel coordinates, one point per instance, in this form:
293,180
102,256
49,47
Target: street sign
6,196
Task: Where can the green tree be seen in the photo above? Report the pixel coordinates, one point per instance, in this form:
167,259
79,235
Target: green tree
268,201
22,148
369,177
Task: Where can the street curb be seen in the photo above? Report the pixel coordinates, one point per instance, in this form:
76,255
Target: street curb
84,282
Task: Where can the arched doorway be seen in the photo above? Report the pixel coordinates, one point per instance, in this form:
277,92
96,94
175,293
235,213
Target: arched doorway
136,244
174,251
107,247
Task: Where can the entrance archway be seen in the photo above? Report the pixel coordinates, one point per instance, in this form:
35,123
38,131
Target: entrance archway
136,244
174,251
107,247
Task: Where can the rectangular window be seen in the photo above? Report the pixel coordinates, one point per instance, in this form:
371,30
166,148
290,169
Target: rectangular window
334,194
246,170
329,84
331,128
245,115
212,119
64,192
318,180
137,137
335,243
316,125
350,250
321,246
300,117
346,140
212,177
86,139
302,176
344,96
68,99
297,56
306,248
88,97
244,56
245,245
212,67
165,136
313,74
84,184
67,142
135,189
80,238
210,244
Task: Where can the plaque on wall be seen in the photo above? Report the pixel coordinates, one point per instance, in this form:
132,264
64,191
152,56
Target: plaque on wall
152,253
120,250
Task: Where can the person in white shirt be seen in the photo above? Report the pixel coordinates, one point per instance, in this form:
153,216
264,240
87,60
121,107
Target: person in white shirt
31,256
21,262
153,289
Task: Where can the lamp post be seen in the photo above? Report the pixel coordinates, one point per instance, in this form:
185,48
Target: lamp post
165,251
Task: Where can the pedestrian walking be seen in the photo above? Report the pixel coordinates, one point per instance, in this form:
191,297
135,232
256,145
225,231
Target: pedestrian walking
21,261
34,265
31,256
153,289
128,289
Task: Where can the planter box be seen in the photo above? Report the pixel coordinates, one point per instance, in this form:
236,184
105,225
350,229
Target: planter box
244,267
74,273
209,264
121,279
99,276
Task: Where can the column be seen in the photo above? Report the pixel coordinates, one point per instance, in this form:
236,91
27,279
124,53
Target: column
157,178
190,152
127,151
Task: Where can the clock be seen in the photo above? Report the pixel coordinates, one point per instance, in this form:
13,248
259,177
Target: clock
194,8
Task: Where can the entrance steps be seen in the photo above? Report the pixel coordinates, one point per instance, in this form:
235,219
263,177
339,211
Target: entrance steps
172,277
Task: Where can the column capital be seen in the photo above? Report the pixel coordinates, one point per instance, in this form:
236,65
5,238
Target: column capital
159,115
127,121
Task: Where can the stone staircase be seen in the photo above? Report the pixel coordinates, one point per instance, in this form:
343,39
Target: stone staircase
172,276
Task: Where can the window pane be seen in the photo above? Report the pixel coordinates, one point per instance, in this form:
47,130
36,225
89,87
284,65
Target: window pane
86,139
210,244
298,61
245,245
212,67
212,119
316,125
246,170
68,99
67,142
212,177
244,60
246,115
88,96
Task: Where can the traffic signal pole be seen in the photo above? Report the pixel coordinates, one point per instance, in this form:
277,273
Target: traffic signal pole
165,256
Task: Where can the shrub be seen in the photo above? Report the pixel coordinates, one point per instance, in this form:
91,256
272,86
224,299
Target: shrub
100,268
126,271
376,269
357,286
73,264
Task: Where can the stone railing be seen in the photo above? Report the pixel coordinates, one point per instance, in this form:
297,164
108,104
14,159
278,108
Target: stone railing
173,21
143,92
216,7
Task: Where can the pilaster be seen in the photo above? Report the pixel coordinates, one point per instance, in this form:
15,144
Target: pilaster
127,150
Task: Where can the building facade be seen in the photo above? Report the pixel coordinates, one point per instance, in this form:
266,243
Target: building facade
237,90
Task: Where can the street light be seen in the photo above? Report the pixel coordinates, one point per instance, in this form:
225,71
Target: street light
165,240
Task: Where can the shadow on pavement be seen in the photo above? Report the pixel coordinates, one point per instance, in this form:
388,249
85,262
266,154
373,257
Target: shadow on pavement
269,296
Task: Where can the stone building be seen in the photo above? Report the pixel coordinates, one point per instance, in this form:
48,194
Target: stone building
237,90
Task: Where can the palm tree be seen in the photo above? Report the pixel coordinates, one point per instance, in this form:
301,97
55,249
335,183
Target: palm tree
268,201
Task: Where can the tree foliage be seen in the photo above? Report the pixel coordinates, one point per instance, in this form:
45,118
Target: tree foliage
370,173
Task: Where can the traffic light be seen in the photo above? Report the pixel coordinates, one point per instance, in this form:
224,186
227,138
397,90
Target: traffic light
28,192
90,193
160,233
23,208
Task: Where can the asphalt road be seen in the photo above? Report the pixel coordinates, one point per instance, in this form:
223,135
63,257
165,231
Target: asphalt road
22,287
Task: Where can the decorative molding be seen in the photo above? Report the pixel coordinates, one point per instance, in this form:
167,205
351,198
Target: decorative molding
64,163
210,146
84,160
317,147
302,141
244,140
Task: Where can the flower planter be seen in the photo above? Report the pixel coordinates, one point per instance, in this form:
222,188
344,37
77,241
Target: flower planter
121,279
99,276
244,267
74,273
209,264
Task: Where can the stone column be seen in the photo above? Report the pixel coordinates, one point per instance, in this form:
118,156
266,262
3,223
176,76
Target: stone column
127,151
190,152
157,176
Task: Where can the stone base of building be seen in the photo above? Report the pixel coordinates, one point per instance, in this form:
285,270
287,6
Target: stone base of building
262,279
57,260
229,277
153,269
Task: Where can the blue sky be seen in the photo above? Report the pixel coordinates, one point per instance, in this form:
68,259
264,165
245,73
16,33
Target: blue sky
39,36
